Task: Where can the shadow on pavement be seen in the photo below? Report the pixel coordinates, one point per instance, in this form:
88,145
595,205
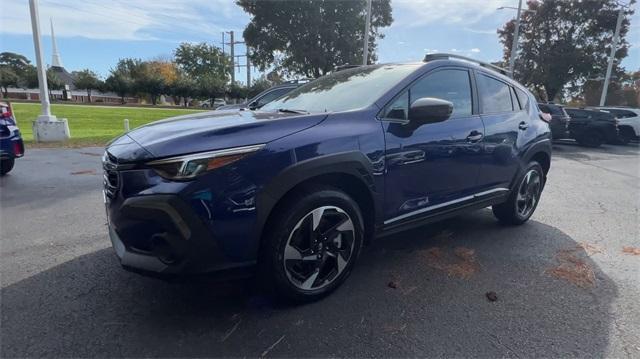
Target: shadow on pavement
91,307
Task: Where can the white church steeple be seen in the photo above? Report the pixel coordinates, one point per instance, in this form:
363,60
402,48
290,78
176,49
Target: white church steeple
56,61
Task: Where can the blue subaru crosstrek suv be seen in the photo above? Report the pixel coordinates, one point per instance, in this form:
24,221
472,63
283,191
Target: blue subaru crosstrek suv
296,188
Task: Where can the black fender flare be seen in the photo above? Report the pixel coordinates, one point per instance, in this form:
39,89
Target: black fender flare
352,163
540,146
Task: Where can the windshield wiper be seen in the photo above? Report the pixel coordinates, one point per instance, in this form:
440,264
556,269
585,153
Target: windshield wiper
288,110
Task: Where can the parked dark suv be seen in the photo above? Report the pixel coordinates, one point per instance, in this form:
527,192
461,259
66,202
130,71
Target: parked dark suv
300,185
592,128
266,96
559,119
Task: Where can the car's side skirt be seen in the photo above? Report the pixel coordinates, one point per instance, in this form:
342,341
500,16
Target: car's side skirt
444,210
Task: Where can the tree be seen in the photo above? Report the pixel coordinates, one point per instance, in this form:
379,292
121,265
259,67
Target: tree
119,83
155,78
86,80
13,68
211,86
54,82
7,78
237,90
565,42
258,86
184,88
311,38
202,60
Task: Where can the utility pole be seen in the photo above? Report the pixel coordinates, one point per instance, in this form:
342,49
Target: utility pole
223,42
248,67
233,59
614,48
46,127
514,44
367,26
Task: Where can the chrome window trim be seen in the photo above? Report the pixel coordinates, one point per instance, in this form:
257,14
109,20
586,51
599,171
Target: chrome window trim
431,208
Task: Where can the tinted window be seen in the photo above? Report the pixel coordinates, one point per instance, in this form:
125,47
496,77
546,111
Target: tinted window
399,108
621,113
578,113
450,85
494,94
270,96
523,99
344,90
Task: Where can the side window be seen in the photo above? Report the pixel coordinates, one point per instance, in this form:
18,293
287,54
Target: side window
270,96
523,98
450,85
494,95
399,108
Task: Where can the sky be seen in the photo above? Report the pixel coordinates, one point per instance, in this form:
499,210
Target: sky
94,34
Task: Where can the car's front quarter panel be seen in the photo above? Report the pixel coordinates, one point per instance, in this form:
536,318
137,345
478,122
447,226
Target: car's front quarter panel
229,206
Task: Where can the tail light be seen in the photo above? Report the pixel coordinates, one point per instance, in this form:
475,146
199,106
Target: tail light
7,114
18,148
545,117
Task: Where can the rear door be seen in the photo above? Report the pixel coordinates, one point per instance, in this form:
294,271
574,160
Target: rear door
506,123
431,166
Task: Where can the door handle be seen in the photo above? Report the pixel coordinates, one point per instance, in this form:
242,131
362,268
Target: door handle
474,136
523,126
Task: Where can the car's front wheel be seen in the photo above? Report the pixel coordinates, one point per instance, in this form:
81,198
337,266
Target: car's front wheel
314,244
524,199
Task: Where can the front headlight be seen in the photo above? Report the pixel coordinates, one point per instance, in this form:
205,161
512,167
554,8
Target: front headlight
189,166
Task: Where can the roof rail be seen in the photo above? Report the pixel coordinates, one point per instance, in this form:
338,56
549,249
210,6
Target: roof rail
441,56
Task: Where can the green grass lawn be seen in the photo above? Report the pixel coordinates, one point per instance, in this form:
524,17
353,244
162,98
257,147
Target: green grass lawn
91,125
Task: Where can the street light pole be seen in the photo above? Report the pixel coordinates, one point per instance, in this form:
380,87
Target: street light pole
42,74
514,44
46,127
367,26
614,48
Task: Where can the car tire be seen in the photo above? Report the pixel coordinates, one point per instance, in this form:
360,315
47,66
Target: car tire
591,138
299,262
6,165
524,198
624,137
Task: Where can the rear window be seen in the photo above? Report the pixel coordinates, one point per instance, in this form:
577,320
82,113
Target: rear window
621,113
495,95
552,109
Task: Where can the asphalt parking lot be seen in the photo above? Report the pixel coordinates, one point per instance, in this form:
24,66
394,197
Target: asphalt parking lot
567,283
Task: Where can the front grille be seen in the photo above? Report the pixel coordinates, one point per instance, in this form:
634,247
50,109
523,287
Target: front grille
111,176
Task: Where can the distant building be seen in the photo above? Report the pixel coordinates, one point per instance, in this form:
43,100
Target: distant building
70,93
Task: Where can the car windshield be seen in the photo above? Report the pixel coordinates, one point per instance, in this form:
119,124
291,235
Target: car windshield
344,90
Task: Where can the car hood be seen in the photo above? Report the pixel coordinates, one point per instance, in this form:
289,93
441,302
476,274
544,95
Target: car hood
214,130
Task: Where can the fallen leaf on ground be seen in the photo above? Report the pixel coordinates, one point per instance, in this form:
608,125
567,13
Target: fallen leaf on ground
84,172
591,249
392,284
573,269
631,250
492,296
462,263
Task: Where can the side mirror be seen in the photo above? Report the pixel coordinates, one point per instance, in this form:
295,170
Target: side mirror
253,105
430,110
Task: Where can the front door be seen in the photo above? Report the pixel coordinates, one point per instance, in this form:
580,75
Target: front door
430,166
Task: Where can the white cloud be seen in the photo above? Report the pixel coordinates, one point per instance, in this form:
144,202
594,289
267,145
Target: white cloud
413,13
475,50
125,20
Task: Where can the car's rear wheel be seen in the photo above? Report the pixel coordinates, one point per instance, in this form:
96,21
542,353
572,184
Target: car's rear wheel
314,244
6,165
523,201
591,138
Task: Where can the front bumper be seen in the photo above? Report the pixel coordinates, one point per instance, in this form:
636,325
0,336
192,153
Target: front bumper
161,234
